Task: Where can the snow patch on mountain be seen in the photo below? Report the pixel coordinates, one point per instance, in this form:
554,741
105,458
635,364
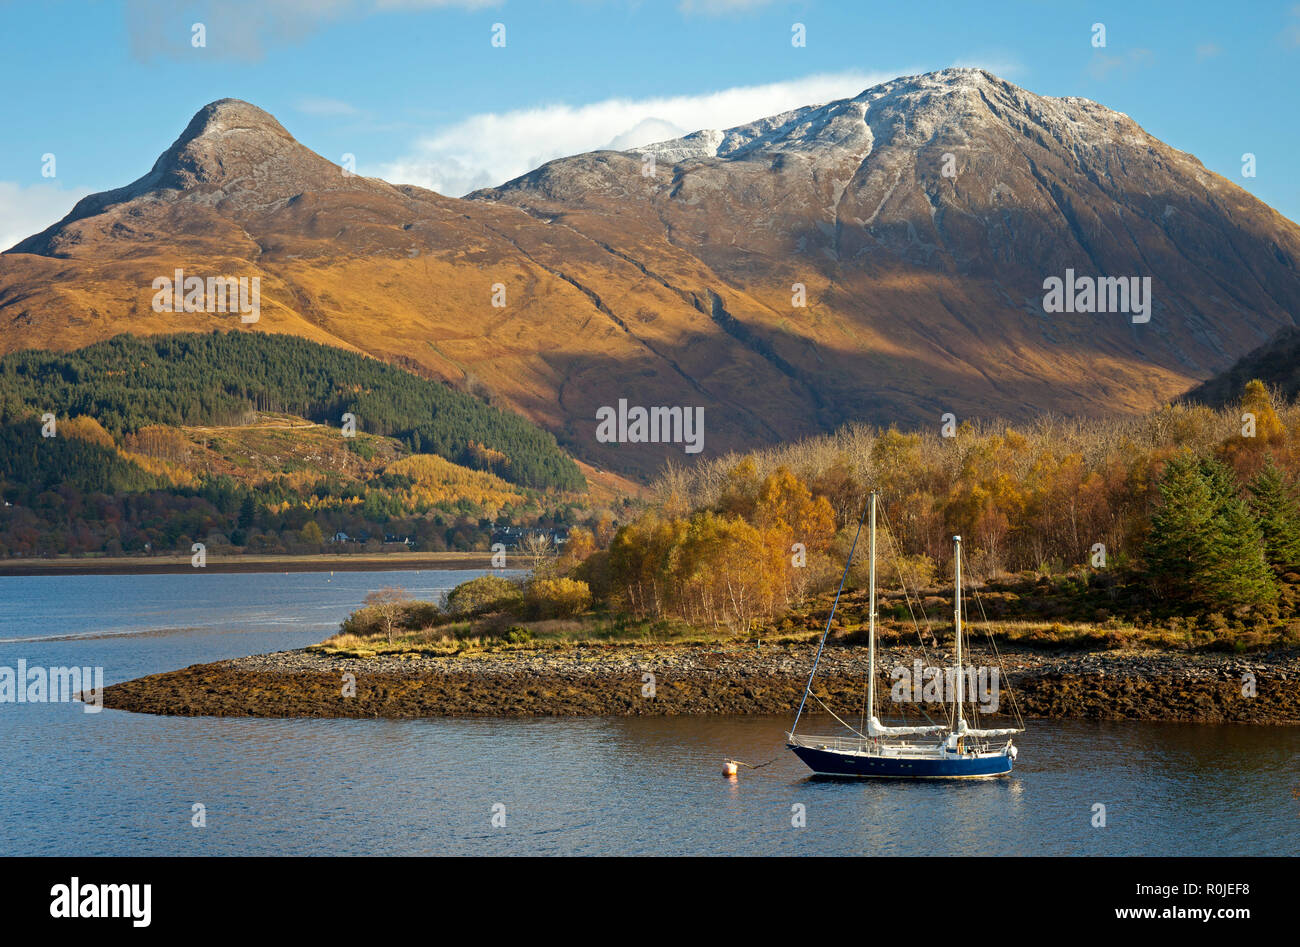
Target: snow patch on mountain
908,111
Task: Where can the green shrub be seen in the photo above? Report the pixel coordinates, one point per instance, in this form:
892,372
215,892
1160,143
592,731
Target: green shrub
422,615
363,449
487,593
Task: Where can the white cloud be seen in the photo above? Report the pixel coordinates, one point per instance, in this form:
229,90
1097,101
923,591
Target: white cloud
329,108
28,210
645,132
493,147
719,7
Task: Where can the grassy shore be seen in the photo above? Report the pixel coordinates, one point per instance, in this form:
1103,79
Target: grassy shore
1025,613
153,565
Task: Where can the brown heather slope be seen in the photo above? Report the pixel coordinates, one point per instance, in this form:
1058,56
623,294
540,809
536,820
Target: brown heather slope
924,291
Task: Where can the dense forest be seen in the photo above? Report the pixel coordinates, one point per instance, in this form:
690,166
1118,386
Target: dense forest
222,378
158,443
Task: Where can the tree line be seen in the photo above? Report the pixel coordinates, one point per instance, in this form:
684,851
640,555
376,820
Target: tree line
1194,507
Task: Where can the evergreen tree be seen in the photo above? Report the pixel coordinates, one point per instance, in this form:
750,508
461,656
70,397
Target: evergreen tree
1278,515
1182,527
247,512
1220,479
1205,545
1237,573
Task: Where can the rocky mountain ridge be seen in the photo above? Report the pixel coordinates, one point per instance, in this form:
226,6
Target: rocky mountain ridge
915,222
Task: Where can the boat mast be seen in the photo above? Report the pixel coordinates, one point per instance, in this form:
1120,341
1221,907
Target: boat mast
829,619
956,620
871,619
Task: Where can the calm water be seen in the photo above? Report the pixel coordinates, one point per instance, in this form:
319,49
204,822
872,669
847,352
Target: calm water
116,783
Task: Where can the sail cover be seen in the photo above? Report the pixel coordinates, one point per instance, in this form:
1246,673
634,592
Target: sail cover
876,729
965,731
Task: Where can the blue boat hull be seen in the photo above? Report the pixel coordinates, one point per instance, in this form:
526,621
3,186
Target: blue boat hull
832,763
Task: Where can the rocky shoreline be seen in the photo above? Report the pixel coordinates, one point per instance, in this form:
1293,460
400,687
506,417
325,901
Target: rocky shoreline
615,680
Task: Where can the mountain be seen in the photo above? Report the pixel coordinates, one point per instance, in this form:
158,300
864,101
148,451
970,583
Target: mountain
924,291
1276,363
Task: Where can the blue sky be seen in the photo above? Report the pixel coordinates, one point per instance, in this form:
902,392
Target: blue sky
418,93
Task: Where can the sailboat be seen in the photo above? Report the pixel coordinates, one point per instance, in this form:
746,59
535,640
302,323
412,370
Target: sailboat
951,750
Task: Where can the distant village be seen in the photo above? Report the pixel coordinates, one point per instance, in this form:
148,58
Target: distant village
511,536
508,536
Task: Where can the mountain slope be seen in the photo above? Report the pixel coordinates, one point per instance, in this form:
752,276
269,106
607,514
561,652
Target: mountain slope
942,277
1276,363
924,291
401,273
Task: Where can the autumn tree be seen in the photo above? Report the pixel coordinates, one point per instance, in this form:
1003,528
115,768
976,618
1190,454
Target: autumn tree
538,552
642,560
1256,429
723,571
558,598
578,548
740,489
388,603
311,534
1257,405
